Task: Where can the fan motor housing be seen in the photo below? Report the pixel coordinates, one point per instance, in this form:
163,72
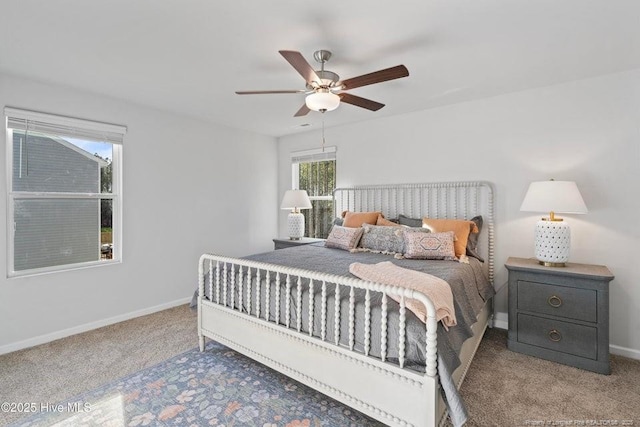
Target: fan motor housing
328,79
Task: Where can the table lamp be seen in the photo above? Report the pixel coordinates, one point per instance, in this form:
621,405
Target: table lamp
553,235
295,200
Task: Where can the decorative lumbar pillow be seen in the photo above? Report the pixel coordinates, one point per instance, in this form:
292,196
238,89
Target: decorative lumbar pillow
472,243
356,219
382,239
429,245
461,228
345,238
383,221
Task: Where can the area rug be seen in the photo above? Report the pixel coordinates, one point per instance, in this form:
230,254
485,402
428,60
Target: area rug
218,387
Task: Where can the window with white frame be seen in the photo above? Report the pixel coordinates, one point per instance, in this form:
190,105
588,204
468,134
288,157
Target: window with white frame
64,192
315,172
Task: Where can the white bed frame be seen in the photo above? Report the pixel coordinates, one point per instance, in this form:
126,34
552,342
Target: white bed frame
383,390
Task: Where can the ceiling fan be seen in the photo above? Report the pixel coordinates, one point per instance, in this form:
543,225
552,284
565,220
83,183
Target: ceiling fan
325,90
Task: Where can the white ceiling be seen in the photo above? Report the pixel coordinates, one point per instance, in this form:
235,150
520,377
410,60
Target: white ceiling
190,56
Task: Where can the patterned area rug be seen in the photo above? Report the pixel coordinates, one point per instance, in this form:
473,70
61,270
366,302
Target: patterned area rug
216,388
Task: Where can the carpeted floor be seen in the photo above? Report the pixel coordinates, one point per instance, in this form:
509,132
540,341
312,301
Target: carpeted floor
502,387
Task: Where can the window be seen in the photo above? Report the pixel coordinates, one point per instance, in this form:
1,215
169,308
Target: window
64,187
315,171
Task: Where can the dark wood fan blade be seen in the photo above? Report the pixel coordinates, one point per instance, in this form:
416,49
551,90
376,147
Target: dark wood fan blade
360,102
301,65
262,92
303,111
392,73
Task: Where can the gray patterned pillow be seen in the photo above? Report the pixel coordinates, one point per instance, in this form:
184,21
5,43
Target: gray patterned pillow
344,238
382,238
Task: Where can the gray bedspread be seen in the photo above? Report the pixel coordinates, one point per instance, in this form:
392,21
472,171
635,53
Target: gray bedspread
469,285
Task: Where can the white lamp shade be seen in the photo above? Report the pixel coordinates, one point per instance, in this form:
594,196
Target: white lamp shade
554,196
295,199
322,101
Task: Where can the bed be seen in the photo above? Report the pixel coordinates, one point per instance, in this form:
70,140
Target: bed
299,309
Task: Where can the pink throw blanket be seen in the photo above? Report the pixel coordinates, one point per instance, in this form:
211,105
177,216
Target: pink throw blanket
438,290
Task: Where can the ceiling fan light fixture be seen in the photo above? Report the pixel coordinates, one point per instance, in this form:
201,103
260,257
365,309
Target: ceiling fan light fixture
322,85
322,101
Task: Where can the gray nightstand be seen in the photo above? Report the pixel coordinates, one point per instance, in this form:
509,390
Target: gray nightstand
285,242
560,313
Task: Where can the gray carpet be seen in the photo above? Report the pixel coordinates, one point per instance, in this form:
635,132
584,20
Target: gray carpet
502,388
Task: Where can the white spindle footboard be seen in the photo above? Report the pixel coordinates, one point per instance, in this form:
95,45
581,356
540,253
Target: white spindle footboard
369,384
209,263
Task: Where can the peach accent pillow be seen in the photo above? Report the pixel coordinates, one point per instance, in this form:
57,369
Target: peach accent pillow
385,222
460,227
356,219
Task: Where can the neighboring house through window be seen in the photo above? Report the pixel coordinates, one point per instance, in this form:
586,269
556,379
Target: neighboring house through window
64,190
315,171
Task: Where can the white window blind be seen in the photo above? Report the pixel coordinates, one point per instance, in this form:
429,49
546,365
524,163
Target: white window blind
317,155
32,121
64,192
54,232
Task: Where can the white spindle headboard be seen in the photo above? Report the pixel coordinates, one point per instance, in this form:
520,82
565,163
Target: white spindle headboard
455,200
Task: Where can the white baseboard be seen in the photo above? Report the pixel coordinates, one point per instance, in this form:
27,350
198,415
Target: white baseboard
501,321
42,339
626,352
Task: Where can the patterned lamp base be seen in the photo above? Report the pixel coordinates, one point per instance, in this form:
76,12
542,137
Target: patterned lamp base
295,223
553,241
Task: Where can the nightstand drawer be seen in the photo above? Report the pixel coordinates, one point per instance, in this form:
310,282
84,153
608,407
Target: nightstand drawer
563,301
556,335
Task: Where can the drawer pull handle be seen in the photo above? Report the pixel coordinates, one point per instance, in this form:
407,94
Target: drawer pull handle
554,301
554,335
